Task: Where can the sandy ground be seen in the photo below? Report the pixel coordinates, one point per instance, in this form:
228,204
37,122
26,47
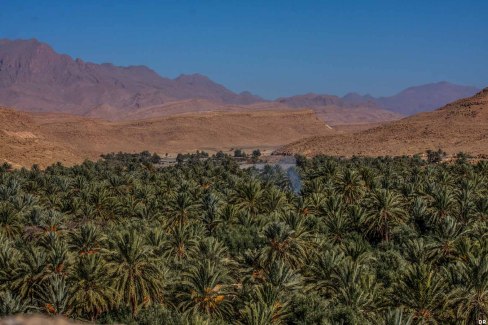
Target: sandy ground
45,138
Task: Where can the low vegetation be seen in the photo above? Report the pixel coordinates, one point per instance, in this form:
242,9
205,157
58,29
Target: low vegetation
365,241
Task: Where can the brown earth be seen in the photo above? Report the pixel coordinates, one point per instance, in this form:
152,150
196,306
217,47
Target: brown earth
331,114
180,107
335,116
37,320
45,138
461,126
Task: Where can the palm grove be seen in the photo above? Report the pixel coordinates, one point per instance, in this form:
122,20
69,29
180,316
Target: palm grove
366,241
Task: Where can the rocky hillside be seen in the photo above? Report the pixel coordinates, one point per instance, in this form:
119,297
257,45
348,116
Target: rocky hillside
34,77
461,126
46,138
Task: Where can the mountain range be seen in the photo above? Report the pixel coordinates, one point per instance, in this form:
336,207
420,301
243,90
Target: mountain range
410,101
45,138
33,77
68,110
461,126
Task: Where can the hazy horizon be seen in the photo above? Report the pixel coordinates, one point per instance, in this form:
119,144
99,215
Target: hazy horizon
271,49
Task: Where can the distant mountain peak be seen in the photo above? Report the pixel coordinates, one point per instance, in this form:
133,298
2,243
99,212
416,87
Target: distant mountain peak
409,101
191,76
426,97
34,77
194,78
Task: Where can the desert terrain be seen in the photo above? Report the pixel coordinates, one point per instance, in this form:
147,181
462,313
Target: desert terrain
461,126
45,138
57,108
249,163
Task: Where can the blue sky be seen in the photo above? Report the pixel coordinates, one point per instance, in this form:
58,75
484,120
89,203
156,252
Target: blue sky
272,48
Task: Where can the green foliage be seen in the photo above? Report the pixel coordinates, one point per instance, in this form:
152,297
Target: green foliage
365,241
239,153
434,157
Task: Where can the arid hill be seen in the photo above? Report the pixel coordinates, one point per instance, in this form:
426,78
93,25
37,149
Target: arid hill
180,107
23,142
350,109
335,116
45,138
461,126
331,114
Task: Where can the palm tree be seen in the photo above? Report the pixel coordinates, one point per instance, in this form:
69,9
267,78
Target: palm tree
206,290
420,214
275,201
357,289
57,257
417,251
12,305
260,313
54,295
211,215
86,240
9,261
336,220
52,222
390,240
471,294
386,211
465,201
319,275
229,213
482,208
90,291
9,220
446,237
369,177
442,203
211,249
283,244
135,275
99,198
422,290
31,272
248,197
266,308
350,186
397,317
282,278
180,241
181,208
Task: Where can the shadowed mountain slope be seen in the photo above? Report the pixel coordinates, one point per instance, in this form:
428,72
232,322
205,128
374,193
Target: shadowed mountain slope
34,77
